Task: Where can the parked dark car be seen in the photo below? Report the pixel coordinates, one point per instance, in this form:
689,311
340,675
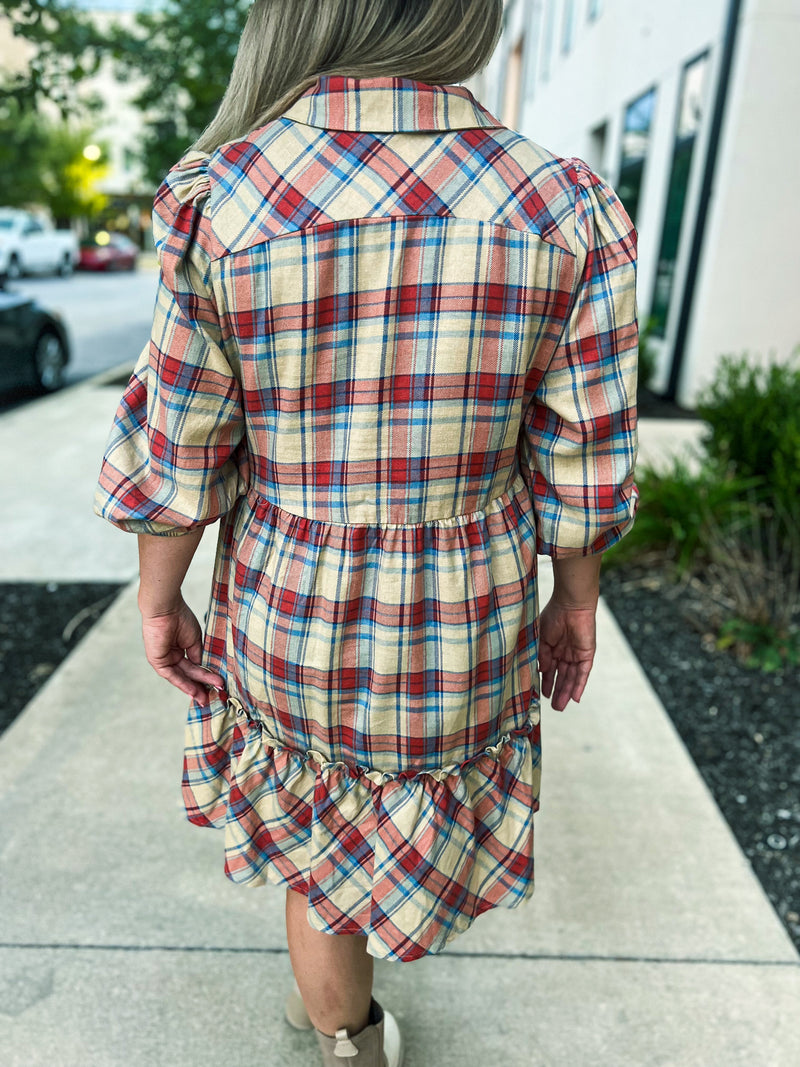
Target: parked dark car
108,251
34,345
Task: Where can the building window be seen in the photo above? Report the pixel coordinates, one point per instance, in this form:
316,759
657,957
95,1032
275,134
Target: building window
598,139
513,85
635,142
548,36
690,115
568,36
595,9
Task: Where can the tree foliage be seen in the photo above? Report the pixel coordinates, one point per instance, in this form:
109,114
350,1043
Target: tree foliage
41,157
184,54
68,179
67,48
179,56
21,142
42,164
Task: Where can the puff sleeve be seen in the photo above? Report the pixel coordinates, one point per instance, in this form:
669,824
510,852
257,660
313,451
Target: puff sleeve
176,456
578,442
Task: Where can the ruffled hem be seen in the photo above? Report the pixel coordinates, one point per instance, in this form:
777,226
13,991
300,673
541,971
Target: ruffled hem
409,859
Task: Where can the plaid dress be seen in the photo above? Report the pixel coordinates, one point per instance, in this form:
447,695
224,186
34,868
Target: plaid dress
394,355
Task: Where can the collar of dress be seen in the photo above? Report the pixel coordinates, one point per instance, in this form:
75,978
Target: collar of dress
385,104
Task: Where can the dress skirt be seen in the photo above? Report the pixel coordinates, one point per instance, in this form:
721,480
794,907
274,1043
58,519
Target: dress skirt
378,744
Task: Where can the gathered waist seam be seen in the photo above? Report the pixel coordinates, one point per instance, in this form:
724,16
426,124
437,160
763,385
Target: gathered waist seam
525,731
262,504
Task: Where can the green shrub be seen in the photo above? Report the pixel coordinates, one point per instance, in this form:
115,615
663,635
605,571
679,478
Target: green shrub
752,584
676,505
760,644
753,413
732,526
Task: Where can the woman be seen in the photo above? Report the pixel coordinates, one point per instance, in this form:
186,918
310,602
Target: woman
394,354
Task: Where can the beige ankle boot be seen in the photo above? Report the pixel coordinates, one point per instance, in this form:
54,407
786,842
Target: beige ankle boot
377,1045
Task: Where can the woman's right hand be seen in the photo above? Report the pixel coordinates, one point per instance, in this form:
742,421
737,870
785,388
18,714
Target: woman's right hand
173,644
567,642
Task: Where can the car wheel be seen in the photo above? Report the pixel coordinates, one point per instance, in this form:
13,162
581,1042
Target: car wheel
65,266
14,269
49,361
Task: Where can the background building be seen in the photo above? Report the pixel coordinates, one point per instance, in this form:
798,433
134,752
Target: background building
119,124
690,110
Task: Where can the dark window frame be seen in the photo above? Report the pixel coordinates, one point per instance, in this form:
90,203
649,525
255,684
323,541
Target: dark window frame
676,200
628,162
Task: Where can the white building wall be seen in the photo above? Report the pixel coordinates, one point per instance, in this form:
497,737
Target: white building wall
630,47
749,280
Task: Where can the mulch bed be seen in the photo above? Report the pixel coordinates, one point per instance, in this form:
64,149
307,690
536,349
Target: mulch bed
740,724
40,624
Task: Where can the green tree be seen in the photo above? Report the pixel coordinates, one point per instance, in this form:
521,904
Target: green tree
68,48
181,53
68,178
41,159
42,163
21,142
184,52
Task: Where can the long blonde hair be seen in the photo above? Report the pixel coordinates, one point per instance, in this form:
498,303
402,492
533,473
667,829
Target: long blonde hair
287,44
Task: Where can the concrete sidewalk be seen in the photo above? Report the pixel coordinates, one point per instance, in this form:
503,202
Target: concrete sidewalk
648,940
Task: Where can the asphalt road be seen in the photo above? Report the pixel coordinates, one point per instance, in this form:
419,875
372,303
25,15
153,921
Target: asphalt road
108,315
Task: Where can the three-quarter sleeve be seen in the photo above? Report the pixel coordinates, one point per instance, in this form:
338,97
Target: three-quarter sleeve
578,442
176,456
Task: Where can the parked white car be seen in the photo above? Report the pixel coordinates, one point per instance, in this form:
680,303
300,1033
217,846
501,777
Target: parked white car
30,245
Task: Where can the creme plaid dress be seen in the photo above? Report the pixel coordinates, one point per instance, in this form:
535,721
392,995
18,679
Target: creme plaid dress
394,354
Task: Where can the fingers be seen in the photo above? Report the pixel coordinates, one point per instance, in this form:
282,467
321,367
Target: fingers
580,681
556,677
191,679
547,668
548,677
564,687
570,682
201,674
175,676
560,698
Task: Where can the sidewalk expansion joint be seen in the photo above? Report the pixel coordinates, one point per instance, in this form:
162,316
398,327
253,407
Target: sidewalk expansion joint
565,957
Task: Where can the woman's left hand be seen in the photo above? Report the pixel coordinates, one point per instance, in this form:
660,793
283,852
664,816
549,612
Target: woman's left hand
173,644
